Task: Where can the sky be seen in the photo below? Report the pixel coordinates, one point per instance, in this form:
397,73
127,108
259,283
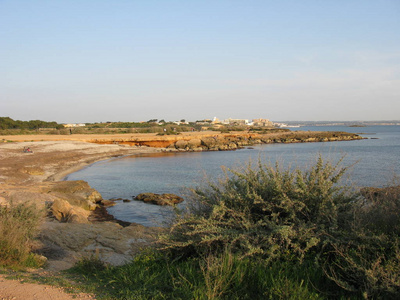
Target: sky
79,61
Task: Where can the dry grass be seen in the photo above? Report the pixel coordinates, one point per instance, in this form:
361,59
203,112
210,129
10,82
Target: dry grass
18,226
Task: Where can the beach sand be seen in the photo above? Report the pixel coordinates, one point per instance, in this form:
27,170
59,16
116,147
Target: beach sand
22,178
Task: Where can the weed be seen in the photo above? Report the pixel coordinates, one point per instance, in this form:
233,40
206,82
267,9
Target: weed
18,226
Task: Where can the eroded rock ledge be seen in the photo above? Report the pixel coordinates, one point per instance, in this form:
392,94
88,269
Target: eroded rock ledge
228,141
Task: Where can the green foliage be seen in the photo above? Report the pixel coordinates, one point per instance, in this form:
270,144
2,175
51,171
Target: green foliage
151,276
8,123
263,212
18,226
269,233
367,258
298,217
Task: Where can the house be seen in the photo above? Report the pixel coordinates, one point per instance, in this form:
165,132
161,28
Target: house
263,123
74,125
231,121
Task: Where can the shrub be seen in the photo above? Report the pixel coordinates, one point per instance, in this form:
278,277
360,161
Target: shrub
18,226
367,259
298,217
263,212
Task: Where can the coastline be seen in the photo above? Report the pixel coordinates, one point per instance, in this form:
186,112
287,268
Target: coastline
37,177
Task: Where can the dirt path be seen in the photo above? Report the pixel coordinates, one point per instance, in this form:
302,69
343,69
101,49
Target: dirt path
19,290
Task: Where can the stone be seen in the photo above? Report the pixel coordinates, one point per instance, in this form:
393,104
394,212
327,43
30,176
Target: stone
108,203
77,193
108,241
63,211
181,144
194,144
159,199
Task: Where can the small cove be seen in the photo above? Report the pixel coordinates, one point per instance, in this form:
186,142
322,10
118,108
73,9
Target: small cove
376,160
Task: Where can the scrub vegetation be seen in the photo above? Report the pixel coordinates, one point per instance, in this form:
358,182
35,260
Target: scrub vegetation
18,227
263,232
268,233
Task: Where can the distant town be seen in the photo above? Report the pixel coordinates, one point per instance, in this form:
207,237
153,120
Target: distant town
10,126
254,122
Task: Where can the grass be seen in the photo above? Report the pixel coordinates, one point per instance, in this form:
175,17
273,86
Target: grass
152,276
18,227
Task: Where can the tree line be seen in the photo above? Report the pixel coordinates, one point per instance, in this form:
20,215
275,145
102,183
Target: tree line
8,123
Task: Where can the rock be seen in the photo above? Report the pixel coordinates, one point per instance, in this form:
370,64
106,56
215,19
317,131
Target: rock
77,193
181,144
107,241
194,144
159,199
209,142
63,211
107,203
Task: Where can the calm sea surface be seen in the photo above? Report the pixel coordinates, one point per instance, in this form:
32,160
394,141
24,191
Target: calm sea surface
376,160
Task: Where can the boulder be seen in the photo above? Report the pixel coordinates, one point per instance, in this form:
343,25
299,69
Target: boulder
77,193
209,142
194,144
159,199
181,144
63,211
108,203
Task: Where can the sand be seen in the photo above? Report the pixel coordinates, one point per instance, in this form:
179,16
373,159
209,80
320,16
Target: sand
53,158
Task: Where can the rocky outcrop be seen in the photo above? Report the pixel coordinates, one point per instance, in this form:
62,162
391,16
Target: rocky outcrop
77,193
72,200
215,141
221,142
63,211
159,199
108,241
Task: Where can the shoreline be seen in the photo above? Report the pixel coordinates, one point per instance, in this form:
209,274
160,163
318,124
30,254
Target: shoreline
61,175
72,228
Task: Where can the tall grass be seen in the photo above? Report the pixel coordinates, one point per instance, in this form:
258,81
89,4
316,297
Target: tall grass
152,276
18,226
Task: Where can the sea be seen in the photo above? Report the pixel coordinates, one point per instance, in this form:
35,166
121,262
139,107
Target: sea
373,161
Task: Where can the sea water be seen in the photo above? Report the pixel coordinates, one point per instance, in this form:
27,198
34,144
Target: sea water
373,161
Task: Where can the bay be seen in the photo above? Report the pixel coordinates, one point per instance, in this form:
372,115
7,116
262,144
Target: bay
375,161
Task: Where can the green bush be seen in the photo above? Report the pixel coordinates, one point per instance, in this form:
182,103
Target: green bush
300,217
18,226
269,233
367,258
267,212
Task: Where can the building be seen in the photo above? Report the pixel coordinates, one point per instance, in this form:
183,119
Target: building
74,125
263,123
231,121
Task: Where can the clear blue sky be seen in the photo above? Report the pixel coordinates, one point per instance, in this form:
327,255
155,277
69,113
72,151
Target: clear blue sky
127,60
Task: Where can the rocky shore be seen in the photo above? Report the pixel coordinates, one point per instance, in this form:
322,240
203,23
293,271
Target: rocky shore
76,225
70,230
222,142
